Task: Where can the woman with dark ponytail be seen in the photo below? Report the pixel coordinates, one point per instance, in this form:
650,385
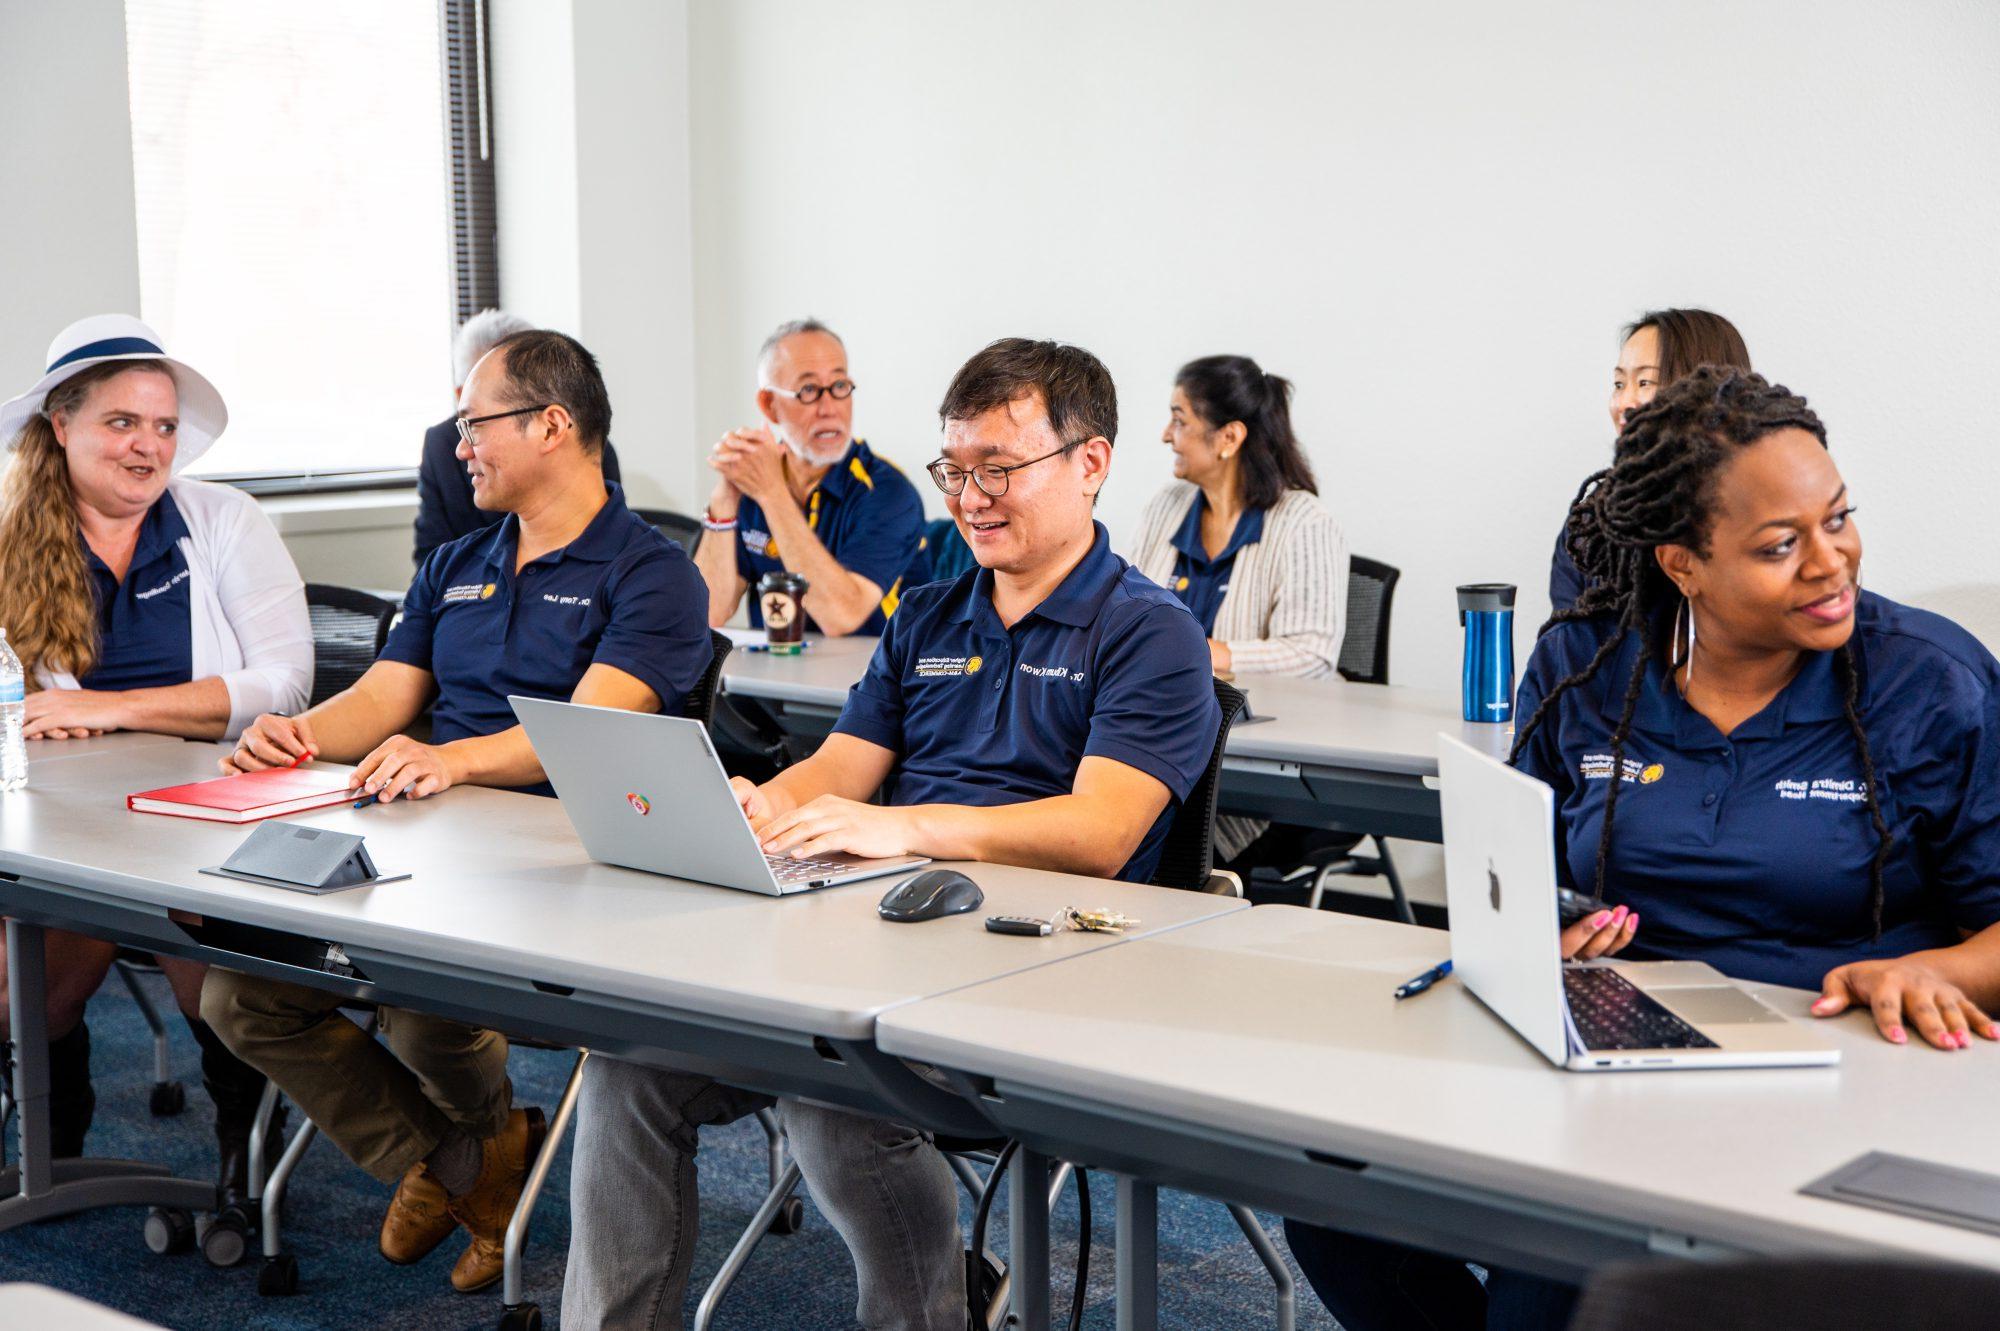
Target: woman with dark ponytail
1784,776
1659,348
1241,536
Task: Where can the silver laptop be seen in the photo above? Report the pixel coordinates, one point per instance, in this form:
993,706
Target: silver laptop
648,792
1595,1016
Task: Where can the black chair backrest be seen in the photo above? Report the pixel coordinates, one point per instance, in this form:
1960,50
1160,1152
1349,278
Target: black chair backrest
1364,650
700,702
349,627
674,526
1825,1293
1188,856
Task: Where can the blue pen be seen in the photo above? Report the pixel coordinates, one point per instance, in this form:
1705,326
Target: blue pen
366,800
1430,977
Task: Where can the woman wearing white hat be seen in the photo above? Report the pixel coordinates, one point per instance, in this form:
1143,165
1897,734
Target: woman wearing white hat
137,599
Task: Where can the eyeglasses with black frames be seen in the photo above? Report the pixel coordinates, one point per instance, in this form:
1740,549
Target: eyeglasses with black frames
807,394
990,477
465,423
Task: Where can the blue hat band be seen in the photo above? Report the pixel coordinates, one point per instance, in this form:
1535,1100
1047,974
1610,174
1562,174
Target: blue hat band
110,346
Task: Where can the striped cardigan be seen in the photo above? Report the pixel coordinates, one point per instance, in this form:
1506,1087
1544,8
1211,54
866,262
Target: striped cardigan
1286,606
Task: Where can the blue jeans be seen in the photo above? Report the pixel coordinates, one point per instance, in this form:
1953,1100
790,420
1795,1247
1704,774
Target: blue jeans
1374,1285
634,1202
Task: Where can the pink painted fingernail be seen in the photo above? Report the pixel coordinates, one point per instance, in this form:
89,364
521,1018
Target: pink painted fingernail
1964,1040
1618,914
1632,920
1601,919
1896,1035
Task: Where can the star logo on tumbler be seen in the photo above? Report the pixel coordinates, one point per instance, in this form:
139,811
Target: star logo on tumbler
777,610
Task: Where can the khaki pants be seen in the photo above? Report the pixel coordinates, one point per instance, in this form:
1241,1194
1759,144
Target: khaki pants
384,1108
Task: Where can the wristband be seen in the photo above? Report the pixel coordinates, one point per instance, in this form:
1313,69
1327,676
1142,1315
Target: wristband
712,524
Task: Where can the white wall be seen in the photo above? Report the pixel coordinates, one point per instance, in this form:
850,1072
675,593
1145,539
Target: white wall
1432,216
69,244
591,173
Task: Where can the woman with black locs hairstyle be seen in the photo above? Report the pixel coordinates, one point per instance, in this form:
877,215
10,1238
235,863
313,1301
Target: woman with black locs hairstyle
1660,490
1782,739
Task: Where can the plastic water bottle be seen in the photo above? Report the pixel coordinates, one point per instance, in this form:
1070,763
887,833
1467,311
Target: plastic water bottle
13,709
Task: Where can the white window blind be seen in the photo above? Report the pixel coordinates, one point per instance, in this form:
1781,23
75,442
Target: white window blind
293,232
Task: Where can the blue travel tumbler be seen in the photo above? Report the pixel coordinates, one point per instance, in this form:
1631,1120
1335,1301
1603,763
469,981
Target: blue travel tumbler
1486,612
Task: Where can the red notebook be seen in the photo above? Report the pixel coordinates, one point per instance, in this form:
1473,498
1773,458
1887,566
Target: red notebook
247,796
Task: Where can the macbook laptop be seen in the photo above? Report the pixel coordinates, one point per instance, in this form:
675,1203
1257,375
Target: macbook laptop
648,792
1595,1016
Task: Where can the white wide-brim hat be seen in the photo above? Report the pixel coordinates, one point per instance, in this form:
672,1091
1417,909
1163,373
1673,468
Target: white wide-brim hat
113,337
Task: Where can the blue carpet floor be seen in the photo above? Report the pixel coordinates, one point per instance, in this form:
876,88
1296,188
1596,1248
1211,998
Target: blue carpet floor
803,1282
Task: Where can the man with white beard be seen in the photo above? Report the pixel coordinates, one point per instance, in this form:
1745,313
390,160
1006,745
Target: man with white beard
801,493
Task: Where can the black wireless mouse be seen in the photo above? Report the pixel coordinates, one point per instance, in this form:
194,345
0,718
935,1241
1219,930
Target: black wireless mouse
928,894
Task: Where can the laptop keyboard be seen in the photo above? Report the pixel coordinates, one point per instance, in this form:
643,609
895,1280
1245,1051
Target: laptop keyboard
1611,1012
789,870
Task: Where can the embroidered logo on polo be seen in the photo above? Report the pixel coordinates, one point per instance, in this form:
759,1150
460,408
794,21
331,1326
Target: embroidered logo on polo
760,542
936,667
1822,788
151,592
467,591
1597,767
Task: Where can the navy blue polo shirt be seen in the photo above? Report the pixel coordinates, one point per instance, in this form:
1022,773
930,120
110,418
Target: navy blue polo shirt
145,634
1110,664
620,594
1752,852
867,515
1200,581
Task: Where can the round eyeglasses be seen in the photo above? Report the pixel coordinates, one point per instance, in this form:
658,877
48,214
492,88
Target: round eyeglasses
807,394
990,477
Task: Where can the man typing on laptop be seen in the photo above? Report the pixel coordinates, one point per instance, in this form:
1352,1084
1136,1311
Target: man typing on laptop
570,596
1049,709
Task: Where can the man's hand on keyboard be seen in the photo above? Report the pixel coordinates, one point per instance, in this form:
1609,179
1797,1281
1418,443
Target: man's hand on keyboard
830,824
1599,935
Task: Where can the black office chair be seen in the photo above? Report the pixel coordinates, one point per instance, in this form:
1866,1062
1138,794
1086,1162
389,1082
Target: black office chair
1364,650
1777,1294
674,526
349,627
1187,859
1364,659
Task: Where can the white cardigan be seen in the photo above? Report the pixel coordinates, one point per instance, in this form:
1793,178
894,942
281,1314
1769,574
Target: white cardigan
1286,607
246,605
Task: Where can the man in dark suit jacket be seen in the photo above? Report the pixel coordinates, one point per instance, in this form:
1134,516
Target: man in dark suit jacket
445,510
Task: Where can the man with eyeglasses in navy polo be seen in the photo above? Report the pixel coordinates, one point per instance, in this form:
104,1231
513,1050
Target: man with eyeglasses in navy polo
571,596
800,493
1049,709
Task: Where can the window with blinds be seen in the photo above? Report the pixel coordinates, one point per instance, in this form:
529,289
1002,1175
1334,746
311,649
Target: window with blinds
296,190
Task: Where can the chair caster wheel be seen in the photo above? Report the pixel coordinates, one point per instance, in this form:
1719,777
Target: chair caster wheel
169,1098
791,1217
522,1317
169,1231
280,1276
227,1241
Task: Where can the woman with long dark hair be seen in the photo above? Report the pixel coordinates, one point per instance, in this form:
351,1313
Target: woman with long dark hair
1784,776
1659,348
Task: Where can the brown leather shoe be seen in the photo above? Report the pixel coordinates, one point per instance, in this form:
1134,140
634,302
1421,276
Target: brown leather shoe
486,1209
417,1219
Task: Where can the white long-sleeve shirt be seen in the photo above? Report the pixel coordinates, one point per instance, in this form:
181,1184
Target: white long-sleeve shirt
246,605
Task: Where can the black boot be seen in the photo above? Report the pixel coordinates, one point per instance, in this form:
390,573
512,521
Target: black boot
72,1099
236,1088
